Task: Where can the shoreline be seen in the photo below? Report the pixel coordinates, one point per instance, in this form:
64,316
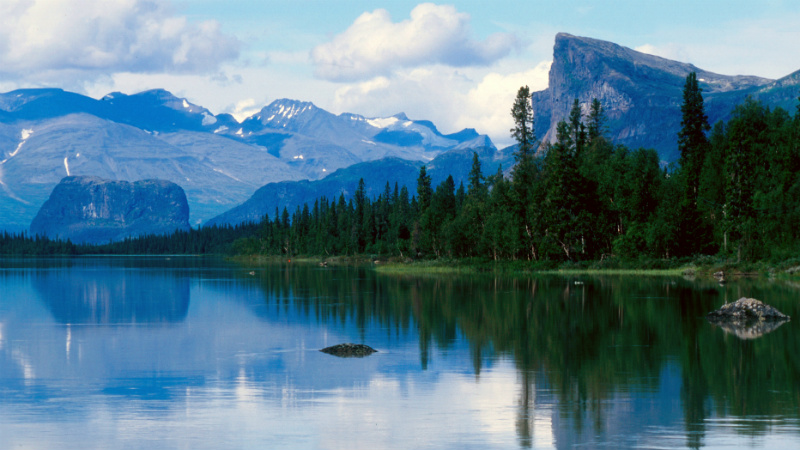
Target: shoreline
703,268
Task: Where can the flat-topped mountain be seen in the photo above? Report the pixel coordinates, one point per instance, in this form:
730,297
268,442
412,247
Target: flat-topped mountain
96,211
641,93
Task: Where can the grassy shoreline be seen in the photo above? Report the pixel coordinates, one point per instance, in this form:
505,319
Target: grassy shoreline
702,267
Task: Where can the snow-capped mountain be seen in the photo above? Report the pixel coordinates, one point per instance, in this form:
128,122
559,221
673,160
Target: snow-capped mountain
318,142
47,134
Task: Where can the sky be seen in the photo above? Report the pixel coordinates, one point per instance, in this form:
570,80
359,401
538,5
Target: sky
458,64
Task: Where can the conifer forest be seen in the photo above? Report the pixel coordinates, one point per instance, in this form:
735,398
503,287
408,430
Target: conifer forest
735,192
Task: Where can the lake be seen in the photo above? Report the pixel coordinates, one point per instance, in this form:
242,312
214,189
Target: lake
200,353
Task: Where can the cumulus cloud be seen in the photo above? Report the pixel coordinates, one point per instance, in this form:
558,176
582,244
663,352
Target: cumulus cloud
488,105
435,34
452,99
42,40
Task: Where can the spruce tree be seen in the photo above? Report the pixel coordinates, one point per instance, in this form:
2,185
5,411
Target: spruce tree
692,140
693,146
597,121
525,171
523,132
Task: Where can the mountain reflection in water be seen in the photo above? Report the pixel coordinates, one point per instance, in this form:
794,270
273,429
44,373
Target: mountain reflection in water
545,362
90,296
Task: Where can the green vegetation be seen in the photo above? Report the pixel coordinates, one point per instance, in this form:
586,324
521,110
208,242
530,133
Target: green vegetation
580,202
209,240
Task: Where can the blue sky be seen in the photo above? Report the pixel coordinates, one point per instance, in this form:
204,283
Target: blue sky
456,63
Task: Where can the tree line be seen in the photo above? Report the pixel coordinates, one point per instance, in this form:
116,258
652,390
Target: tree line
734,192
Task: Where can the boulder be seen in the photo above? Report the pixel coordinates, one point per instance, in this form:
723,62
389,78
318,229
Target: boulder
349,350
746,309
747,318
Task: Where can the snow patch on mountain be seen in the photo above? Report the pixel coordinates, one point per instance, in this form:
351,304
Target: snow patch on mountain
383,122
208,119
25,134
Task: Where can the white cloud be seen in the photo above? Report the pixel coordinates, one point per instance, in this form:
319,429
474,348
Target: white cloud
245,108
488,105
452,99
47,41
435,34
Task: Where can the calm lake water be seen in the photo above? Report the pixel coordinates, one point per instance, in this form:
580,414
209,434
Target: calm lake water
192,353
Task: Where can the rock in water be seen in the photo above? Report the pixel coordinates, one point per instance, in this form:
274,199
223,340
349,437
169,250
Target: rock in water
747,309
747,318
349,350
92,210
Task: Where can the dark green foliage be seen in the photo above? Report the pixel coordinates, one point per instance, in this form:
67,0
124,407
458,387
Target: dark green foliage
523,131
582,199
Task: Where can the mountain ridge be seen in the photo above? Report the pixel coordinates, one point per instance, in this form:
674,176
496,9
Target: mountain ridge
46,134
640,93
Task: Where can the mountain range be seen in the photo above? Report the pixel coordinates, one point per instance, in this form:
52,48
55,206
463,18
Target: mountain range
48,134
292,152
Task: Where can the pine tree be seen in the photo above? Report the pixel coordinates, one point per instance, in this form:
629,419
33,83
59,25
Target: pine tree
524,173
577,129
597,121
692,140
693,146
523,132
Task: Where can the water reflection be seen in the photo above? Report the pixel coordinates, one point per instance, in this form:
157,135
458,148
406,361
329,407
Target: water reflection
617,354
97,296
752,329
209,349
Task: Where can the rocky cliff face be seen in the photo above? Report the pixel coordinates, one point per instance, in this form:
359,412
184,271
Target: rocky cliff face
95,211
640,93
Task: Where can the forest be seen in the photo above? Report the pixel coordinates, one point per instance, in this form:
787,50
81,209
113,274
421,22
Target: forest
734,193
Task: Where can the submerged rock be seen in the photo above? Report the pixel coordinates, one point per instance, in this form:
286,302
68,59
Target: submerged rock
747,318
349,350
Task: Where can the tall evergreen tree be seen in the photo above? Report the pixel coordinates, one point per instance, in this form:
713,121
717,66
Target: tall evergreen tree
525,171
597,121
523,132
577,129
424,189
693,145
692,140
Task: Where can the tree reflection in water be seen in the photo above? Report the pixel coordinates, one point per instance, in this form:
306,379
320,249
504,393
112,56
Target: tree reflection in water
587,342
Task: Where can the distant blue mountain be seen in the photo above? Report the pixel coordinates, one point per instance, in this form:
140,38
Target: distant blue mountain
392,170
47,134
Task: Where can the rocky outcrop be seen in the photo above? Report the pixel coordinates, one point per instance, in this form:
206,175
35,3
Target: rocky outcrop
748,309
641,93
349,350
92,210
747,318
